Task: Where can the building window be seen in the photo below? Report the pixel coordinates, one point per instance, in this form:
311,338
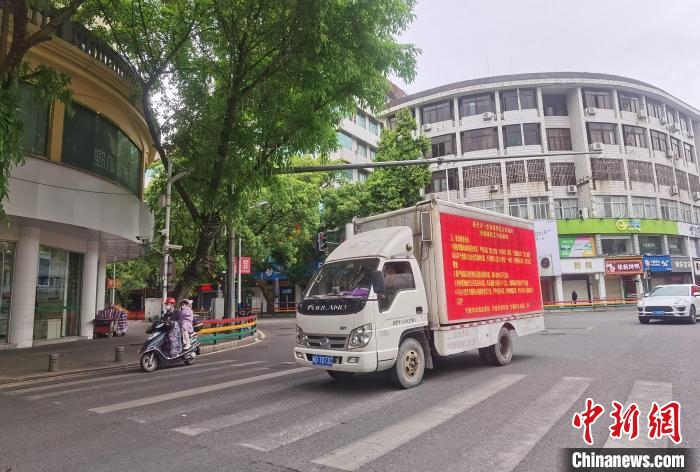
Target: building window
676,147
515,172
611,206
518,207
477,105
347,174
482,175
694,182
655,109
361,150
566,208
601,133
559,139
372,154
640,171
362,175
373,126
540,208
536,171
531,134
512,136
344,140
509,100
92,143
669,209
685,126
597,99
688,151
650,245
442,145
616,245
676,246
528,99
490,205
629,102
682,180
555,104
607,169
644,207
563,173
391,122
634,136
685,212
664,175
35,121
670,115
441,179
437,112
480,139
360,120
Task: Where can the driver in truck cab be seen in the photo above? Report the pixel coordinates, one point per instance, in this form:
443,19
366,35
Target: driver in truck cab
397,277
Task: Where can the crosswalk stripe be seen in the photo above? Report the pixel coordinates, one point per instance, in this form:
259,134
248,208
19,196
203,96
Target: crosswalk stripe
119,378
244,416
151,416
355,455
506,448
300,430
151,381
643,394
193,391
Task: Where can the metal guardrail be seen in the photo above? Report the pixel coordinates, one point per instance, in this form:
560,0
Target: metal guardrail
591,304
226,329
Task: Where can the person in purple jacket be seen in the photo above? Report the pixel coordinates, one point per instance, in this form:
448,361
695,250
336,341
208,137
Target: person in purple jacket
186,320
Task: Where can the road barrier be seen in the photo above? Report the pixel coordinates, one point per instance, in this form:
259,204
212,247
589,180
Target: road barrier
226,329
596,304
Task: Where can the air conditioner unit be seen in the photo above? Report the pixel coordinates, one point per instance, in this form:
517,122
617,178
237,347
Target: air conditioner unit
571,189
427,127
596,147
696,196
669,153
642,114
583,213
674,190
493,188
590,111
488,116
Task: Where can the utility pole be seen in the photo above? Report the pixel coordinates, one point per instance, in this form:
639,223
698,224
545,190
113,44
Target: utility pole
240,255
229,294
167,247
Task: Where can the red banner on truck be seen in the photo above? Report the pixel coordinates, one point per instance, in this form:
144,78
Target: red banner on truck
490,268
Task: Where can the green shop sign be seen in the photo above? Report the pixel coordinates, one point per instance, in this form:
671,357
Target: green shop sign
616,226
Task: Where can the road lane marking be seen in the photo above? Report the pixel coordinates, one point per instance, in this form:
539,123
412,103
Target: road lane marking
643,394
244,416
158,374
375,445
151,383
303,429
193,391
504,449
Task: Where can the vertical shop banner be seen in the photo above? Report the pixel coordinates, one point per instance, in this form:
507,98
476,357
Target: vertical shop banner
490,268
547,247
577,246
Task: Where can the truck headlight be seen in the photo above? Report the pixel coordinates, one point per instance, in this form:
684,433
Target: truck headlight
301,337
359,337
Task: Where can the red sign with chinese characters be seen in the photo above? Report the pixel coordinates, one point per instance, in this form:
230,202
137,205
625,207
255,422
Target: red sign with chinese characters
623,266
490,268
245,265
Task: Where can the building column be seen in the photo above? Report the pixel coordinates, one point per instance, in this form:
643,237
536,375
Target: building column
558,289
101,283
601,287
89,288
639,285
24,287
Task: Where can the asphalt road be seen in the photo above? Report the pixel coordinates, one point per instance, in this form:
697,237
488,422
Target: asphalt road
252,409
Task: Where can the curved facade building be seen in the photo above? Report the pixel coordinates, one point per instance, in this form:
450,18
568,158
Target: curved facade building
76,203
610,224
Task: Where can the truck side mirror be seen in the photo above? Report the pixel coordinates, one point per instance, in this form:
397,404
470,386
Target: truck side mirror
378,281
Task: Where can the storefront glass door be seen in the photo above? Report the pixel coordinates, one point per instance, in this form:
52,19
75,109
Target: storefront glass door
7,261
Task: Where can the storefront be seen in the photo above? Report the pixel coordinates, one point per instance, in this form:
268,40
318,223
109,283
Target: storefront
548,259
583,276
623,277
7,271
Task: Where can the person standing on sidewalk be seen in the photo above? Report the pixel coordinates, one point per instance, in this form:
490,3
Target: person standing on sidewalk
574,296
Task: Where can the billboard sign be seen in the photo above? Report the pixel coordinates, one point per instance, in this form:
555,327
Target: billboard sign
547,251
624,266
577,246
590,265
681,264
657,263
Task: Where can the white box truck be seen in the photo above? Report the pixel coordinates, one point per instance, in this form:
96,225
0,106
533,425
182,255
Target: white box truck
423,282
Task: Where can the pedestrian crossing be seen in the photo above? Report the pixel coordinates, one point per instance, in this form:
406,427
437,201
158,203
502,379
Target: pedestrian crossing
346,426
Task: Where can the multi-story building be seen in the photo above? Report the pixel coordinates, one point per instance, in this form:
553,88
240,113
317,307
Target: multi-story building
76,203
611,223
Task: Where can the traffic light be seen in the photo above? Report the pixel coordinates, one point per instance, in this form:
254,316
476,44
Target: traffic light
321,241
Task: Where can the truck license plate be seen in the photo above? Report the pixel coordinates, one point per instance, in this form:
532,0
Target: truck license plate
321,360
658,312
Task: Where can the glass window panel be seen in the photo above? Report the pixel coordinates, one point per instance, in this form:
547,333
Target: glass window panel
554,105
563,173
540,208
477,105
518,207
601,133
528,99
344,140
482,175
629,102
479,139
566,208
512,136
634,136
59,279
515,172
35,120
559,139
442,145
536,171
597,99
509,100
437,112
7,255
490,205
531,133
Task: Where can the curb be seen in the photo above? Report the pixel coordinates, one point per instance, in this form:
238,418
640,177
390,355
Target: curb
204,350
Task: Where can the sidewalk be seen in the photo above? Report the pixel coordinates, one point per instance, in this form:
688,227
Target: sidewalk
84,355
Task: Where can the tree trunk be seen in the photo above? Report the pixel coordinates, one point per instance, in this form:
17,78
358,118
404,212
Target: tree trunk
268,292
202,265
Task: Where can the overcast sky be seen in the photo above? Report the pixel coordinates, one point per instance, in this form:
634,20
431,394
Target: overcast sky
656,41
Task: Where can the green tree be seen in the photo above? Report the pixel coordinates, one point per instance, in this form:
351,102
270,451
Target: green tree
252,84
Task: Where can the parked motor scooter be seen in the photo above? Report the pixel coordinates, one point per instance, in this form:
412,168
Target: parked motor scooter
152,352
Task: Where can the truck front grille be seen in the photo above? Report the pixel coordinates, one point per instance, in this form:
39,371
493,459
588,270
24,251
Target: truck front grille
326,342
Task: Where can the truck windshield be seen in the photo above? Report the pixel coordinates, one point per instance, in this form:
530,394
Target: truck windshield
343,279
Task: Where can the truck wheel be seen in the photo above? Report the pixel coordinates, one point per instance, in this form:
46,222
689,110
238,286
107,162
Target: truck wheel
485,355
501,353
340,375
410,364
